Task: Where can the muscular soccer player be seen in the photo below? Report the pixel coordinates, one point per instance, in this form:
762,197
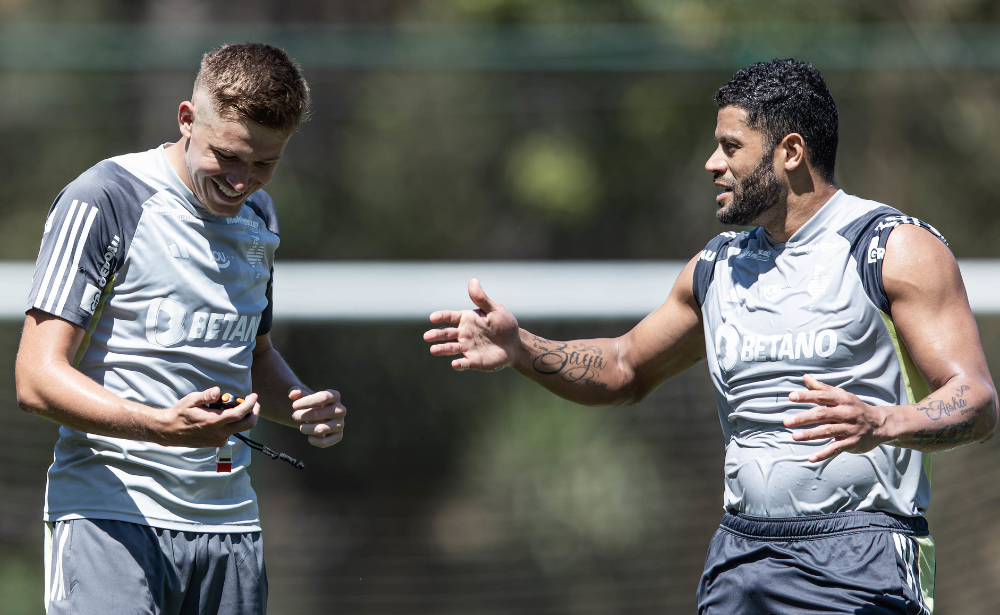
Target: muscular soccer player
842,348
151,295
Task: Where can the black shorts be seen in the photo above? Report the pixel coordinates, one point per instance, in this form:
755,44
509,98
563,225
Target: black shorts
856,562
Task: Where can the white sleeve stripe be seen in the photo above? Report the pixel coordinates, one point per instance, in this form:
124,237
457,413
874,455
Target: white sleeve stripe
65,258
55,255
76,261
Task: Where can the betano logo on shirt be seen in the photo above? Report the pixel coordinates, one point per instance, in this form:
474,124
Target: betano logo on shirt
167,324
730,347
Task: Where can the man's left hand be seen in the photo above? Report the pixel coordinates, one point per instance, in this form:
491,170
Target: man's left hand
855,426
320,415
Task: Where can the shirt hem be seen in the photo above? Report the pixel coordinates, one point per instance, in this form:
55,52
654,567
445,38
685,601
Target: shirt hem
239,527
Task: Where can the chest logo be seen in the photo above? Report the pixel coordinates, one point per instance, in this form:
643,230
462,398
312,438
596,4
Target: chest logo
731,347
255,253
727,346
221,259
165,322
757,255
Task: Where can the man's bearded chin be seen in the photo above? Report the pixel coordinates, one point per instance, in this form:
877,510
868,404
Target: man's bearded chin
754,195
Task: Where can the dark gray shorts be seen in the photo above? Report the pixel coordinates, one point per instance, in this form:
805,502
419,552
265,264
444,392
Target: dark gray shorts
98,567
857,562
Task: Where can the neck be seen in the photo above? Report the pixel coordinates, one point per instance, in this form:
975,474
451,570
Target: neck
175,154
796,210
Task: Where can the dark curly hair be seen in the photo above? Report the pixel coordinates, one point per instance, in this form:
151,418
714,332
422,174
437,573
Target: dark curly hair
786,96
256,81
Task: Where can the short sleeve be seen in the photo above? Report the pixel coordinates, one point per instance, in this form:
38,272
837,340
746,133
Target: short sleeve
87,233
262,205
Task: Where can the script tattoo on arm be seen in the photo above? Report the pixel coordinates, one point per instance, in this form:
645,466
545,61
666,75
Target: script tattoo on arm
955,434
578,363
936,408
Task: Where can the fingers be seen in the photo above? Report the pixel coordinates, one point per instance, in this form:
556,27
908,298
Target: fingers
821,414
201,398
320,413
237,413
301,401
441,335
446,317
479,298
324,425
817,392
247,422
822,432
443,350
815,385
325,441
461,364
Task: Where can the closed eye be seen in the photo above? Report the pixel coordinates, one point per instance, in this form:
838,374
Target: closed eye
223,156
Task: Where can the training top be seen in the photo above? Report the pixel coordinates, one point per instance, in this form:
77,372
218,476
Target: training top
815,304
172,299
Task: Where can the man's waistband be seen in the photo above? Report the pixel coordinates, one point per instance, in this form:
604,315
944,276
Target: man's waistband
785,528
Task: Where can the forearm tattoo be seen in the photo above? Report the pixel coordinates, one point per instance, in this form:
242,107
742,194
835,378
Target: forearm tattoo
578,363
936,408
955,433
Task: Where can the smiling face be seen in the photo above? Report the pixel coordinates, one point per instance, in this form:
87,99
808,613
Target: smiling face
744,168
222,159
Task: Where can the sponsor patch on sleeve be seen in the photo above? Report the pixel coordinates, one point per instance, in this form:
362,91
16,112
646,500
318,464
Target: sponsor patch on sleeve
91,298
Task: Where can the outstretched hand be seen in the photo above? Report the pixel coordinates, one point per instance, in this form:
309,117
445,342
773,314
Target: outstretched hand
855,426
487,338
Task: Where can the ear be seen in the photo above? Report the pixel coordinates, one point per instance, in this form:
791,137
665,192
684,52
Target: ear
185,118
791,152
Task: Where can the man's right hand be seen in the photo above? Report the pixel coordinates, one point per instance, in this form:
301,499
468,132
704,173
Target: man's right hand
189,423
487,338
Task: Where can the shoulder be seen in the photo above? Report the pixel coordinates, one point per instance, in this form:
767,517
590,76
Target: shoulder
106,194
871,218
704,268
262,205
917,258
890,248
108,184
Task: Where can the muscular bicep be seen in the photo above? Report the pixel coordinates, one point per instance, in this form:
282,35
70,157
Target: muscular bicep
668,341
930,308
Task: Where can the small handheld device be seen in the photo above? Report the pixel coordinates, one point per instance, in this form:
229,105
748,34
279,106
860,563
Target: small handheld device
224,458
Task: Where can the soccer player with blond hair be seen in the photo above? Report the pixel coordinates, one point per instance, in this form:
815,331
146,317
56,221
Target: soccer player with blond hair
151,297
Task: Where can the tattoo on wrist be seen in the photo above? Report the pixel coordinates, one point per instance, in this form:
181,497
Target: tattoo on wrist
579,363
957,433
936,408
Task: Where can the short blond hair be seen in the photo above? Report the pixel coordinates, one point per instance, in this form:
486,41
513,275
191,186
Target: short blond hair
255,81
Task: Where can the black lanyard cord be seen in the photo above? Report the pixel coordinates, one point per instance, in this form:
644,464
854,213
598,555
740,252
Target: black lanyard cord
257,446
228,400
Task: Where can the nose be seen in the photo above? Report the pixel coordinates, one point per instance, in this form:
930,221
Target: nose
238,178
716,163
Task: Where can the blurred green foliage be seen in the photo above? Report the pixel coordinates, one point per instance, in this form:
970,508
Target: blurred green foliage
480,493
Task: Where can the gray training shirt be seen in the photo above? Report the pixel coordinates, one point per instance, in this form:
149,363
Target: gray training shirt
815,304
172,299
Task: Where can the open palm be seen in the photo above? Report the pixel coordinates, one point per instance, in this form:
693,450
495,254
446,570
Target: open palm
487,338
